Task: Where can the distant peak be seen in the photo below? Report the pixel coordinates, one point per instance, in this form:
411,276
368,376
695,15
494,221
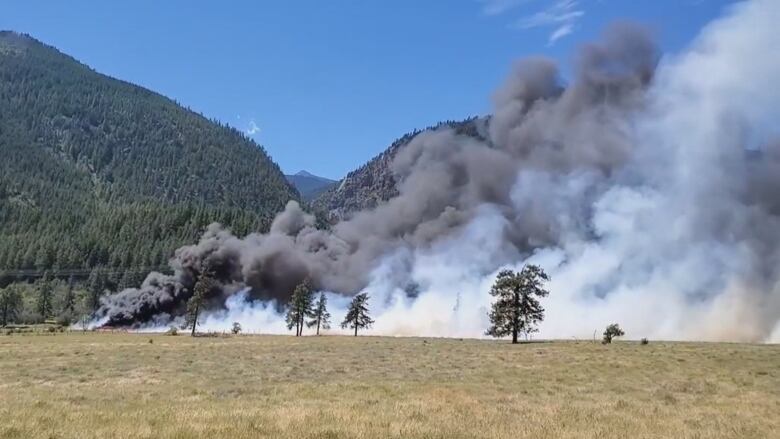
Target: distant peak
303,173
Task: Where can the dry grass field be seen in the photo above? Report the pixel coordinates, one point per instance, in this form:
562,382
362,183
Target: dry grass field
155,386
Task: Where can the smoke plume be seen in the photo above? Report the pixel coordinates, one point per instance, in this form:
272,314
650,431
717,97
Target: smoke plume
647,188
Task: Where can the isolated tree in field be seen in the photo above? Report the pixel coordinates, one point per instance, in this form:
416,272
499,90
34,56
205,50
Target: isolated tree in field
10,304
611,332
357,315
45,295
236,329
517,309
200,292
300,307
321,316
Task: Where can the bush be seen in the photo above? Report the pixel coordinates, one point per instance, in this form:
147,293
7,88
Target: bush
644,341
9,331
52,329
236,328
172,331
29,317
65,319
611,332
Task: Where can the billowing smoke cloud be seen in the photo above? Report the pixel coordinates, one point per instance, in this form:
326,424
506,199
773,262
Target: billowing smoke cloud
648,191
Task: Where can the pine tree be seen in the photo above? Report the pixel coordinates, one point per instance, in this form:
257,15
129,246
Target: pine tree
68,310
200,292
10,304
357,316
300,307
45,293
321,316
517,309
96,286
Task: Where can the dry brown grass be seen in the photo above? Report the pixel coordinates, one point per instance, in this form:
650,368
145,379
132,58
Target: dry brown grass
120,385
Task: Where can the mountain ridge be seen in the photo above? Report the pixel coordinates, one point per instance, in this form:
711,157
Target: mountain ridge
309,185
95,162
373,182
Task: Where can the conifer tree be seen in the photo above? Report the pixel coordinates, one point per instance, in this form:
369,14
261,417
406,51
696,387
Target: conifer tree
125,281
96,286
321,316
357,316
10,304
68,308
45,293
517,309
200,292
300,307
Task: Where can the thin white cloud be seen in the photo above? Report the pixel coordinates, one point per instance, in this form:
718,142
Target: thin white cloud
253,128
497,7
561,16
562,31
560,12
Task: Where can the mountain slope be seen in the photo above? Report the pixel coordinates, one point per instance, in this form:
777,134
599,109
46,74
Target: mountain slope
102,172
374,183
309,185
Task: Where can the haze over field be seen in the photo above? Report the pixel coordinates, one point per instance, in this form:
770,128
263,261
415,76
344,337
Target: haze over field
645,187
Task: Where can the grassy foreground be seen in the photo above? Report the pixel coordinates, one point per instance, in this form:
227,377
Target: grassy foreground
155,386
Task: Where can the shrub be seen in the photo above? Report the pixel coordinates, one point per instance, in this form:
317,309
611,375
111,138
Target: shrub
236,328
172,331
52,329
611,332
65,319
644,341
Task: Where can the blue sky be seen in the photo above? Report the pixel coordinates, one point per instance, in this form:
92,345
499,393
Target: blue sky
325,85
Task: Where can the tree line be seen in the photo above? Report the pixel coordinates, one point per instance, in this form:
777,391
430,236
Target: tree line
65,301
306,308
516,310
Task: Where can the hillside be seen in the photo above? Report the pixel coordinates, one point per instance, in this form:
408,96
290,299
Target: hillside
98,171
309,185
374,183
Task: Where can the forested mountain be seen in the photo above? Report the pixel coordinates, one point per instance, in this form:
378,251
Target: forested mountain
309,185
99,172
374,183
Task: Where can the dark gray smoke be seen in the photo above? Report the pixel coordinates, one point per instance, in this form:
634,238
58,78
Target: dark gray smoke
443,179
570,174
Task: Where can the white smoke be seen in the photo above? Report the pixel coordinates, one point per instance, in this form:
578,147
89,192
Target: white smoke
663,255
